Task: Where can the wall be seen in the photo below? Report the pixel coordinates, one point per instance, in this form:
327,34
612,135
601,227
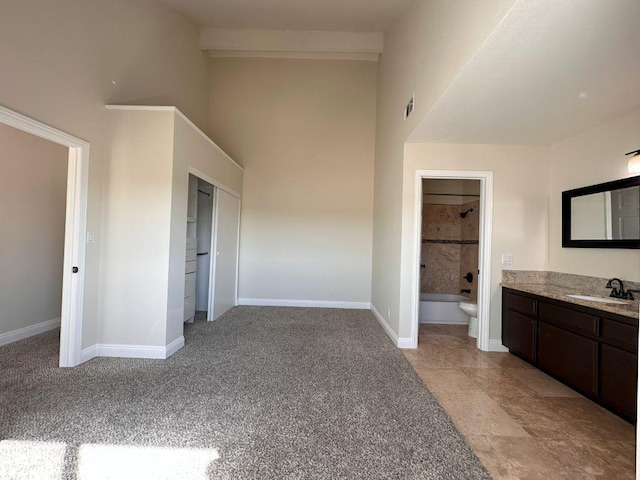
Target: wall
304,131
520,210
136,232
59,60
424,49
591,157
196,153
33,186
145,212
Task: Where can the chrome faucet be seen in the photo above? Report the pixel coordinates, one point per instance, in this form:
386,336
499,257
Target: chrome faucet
619,292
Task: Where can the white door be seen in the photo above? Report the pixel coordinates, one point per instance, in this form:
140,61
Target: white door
225,273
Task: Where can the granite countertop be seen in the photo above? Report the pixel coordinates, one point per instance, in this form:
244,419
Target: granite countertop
558,285
560,292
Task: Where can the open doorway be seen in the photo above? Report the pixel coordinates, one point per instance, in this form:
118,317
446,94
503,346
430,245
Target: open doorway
45,232
449,253
457,211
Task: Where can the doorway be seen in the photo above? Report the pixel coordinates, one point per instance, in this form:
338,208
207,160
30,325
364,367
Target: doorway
484,198
73,263
213,222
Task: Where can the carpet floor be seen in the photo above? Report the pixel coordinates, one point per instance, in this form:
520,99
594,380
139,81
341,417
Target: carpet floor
264,393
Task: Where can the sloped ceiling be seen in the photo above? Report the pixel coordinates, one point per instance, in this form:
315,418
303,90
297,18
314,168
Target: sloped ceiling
549,70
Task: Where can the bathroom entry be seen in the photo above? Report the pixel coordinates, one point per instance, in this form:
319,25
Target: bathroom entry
449,252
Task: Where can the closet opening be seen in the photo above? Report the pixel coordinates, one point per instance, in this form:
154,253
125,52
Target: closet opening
211,270
200,244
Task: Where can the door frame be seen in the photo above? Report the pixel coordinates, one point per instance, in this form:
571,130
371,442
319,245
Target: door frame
484,246
75,234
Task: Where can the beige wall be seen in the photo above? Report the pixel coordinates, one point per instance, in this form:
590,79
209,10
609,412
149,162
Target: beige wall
591,157
33,186
304,131
520,210
145,213
424,50
59,60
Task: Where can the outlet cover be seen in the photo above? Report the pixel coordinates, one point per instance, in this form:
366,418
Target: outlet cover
507,259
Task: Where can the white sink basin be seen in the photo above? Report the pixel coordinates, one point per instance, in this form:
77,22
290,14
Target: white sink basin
589,298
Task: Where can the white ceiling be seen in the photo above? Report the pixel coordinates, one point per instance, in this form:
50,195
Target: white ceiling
551,69
330,15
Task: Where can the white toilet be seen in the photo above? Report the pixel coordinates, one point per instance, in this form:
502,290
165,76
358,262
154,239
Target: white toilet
471,309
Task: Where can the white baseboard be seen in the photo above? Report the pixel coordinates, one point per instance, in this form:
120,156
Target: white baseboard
496,346
89,353
26,332
131,351
400,342
406,342
174,346
444,322
274,302
385,326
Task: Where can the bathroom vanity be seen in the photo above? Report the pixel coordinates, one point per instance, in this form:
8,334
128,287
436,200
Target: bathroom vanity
591,347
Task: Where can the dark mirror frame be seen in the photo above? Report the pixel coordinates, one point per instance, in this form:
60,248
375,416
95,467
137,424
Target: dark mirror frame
567,241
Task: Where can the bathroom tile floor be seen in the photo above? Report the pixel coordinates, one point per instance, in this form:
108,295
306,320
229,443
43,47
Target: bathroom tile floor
520,422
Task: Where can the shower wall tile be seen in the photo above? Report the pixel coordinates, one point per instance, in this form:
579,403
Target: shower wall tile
442,263
470,230
470,225
469,263
441,222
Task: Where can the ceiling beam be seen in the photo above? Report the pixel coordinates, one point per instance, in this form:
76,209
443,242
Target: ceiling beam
291,43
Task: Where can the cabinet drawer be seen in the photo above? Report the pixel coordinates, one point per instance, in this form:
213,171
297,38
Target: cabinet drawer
576,321
192,243
189,307
189,284
618,380
190,266
191,255
570,357
520,334
525,305
620,333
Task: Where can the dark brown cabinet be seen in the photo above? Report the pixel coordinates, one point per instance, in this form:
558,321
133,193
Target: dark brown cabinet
520,335
570,357
592,351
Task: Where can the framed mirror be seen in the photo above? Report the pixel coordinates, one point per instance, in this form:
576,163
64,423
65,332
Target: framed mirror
602,216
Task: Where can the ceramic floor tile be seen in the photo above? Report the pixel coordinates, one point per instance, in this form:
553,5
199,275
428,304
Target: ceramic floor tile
478,414
595,421
447,380
521,423
495,381
543,384
507,360
519,458
598,459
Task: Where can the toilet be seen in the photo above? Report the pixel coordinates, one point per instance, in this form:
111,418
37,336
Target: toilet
471,309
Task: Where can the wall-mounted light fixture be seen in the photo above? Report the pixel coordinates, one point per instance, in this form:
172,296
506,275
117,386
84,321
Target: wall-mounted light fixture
634,161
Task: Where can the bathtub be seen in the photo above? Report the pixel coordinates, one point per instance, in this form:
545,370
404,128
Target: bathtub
442,308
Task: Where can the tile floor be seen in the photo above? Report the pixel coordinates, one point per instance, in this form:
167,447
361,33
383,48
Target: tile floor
521,423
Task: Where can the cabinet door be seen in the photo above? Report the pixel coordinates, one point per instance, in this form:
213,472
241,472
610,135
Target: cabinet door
519,334
618,380
570,357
